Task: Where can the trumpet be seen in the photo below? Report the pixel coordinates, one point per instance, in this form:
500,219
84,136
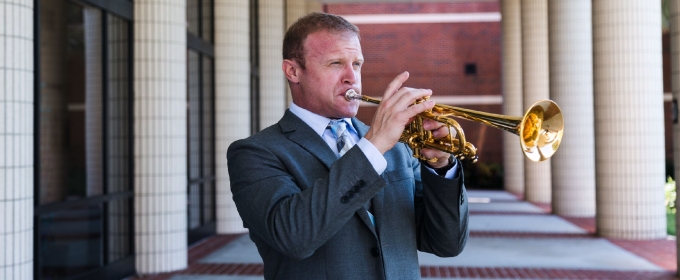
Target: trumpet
540,129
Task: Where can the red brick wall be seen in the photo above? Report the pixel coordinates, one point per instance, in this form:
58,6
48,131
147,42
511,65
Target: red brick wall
435,55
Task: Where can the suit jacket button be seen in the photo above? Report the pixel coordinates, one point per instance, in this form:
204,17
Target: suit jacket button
361,183
344,199
349,194
375,252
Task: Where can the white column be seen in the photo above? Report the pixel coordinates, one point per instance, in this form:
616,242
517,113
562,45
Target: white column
628,99
571,87
16,139
92,21
535,77
272,81
513,158
160,135
232,99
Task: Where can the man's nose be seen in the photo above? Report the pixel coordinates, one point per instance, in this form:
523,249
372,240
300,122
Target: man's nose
349,75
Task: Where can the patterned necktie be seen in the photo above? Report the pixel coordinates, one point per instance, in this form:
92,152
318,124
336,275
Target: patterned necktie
339,130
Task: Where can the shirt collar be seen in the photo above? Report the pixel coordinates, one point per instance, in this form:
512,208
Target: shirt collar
317,122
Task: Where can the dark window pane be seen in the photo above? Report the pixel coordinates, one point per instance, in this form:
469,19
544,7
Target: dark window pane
193,113
194,207
119,230
193,18
70,242
118,102
207,21
71,112
209,202
208,116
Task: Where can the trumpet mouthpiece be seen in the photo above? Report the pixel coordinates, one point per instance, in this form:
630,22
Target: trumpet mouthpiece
351,94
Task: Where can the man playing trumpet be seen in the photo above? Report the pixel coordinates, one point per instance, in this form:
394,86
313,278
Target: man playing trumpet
326,197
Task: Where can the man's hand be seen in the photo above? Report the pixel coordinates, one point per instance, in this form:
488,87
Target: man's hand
395,111
439,130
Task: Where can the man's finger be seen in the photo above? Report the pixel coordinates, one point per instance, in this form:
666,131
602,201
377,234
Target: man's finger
395,84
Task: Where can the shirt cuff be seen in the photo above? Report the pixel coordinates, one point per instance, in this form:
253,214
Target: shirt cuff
451,173
374,156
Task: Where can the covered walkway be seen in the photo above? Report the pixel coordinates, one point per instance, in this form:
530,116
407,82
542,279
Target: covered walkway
509,239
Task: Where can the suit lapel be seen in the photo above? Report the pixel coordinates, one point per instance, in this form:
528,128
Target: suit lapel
299,132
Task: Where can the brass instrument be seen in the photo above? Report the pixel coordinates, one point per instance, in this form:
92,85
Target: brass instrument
540,129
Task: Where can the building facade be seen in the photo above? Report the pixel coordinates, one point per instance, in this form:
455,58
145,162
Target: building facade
116,115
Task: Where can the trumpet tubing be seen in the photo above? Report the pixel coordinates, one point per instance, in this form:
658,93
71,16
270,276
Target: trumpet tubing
540,129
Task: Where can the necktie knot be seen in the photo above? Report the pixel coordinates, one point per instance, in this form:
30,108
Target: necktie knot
339,130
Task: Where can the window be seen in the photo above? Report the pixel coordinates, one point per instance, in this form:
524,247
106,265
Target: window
83,148
200,120
470,69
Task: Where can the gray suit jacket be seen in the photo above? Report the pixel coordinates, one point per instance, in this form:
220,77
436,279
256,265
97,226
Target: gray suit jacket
304,207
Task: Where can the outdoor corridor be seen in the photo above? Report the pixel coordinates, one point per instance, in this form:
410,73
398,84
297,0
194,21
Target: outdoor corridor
509,239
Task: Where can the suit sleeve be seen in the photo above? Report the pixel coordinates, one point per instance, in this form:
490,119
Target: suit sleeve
294,219
441,212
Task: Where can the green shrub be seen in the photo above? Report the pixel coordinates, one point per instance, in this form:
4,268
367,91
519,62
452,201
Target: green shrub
670,224
670,196
669,190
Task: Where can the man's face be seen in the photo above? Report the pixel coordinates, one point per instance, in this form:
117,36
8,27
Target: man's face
332,66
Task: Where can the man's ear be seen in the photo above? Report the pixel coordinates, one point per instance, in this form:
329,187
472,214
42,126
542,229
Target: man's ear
291,69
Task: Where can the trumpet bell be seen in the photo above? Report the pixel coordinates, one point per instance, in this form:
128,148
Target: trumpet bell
541,130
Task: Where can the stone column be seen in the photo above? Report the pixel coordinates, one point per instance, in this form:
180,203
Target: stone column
629,139
513,158
160,135
272,81
535,77
16,139
571,87
674,19
232,99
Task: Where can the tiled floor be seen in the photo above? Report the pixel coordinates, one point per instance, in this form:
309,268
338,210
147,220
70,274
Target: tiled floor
509,239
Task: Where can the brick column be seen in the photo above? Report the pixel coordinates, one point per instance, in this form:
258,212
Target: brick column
272,81
571,86
16,139
675,70
629,139
232,99
160,135
535,77
513,158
